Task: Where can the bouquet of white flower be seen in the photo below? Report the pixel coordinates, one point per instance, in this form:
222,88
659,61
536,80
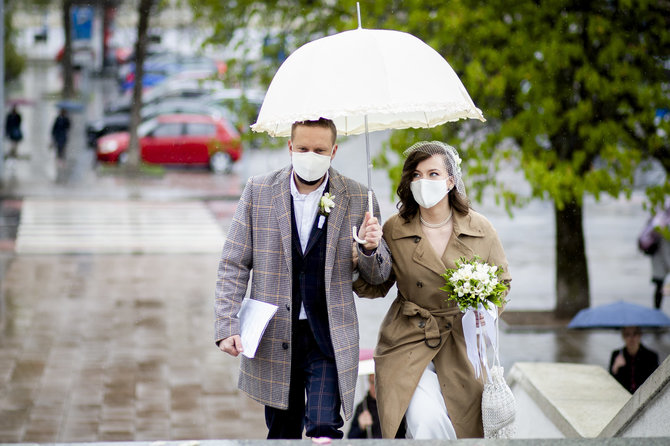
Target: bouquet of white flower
477,289
473,283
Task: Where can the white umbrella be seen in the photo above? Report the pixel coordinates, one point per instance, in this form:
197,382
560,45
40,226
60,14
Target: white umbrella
365,80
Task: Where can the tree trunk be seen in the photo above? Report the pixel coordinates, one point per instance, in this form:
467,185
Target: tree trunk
144,9
66,61
572,275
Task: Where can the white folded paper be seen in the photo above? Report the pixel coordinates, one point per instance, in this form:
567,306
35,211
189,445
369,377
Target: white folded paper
254,317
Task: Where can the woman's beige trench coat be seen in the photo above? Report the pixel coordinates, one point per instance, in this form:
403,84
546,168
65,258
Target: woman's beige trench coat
421,326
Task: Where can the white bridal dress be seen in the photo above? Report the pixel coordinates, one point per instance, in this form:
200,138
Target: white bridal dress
427,416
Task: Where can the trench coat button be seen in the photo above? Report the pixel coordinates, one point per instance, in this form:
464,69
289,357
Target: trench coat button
417,239
419,284
448,326
284,345
422,324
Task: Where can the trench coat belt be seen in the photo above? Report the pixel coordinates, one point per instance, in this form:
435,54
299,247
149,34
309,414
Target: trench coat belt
430,327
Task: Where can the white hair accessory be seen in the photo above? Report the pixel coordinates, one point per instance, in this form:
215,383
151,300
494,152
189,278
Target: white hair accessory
451,159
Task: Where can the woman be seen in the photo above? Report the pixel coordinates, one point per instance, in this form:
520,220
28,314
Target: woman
634,363
421,365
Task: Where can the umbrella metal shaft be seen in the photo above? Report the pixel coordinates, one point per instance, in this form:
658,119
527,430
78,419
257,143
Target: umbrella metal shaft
367,152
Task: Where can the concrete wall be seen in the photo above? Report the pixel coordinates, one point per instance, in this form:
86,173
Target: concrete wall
647,413
558,400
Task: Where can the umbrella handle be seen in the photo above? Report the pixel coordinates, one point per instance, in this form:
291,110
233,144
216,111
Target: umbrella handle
354,230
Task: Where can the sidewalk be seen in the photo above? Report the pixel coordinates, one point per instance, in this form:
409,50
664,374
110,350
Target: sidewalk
119,347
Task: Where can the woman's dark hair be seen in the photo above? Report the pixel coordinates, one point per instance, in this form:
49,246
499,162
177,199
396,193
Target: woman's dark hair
408,207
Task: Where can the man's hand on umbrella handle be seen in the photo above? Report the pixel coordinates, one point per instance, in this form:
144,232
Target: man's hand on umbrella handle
371,232
232,345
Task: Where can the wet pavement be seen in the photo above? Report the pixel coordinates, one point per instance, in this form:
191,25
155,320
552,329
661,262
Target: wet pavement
118,347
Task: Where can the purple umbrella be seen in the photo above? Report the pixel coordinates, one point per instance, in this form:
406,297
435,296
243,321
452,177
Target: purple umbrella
620,314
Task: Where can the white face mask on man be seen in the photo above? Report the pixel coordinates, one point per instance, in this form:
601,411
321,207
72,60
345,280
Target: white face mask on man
310,166
429,192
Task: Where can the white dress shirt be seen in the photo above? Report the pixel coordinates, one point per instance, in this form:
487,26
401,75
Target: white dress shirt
305,208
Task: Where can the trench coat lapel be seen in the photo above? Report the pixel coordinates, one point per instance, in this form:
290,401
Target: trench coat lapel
425,255
281,200
456,247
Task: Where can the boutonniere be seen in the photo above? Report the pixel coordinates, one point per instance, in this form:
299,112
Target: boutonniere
326,204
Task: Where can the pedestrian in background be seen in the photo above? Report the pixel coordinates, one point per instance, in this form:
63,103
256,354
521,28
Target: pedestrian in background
13,131
634,363
422,369
292,227
59,134
365,423
653,242
660,260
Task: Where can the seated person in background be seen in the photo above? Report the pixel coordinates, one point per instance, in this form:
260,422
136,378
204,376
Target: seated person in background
634,363
365,422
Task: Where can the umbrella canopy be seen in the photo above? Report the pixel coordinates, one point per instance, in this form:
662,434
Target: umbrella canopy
619,314
365,80
20,101
392,78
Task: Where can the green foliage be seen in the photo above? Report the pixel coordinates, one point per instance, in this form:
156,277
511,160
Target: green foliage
14,62
570,89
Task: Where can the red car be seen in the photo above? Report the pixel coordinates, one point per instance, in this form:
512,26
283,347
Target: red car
178,139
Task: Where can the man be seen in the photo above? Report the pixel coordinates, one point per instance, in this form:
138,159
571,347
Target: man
634,363
13,131
59,133
299,246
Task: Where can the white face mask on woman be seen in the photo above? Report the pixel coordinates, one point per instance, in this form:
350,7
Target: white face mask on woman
429,192
310,166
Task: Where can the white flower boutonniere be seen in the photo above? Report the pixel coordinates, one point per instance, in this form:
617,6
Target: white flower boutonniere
326,204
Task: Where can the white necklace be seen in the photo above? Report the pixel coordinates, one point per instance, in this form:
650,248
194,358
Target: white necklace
436,225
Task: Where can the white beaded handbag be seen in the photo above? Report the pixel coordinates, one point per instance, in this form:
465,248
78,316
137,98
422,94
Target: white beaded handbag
498,405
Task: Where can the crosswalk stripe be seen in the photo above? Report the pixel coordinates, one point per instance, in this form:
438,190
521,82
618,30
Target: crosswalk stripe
138,227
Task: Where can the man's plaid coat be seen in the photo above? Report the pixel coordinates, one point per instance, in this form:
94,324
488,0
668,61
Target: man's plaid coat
259,240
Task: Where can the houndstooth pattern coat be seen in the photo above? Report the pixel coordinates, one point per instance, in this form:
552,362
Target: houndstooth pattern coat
259,240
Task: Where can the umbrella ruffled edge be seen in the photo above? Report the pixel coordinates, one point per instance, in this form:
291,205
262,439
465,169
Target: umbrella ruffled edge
281,127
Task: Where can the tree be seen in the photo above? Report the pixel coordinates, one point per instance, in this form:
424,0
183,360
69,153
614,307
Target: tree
14,62
68,70
143,11
574,94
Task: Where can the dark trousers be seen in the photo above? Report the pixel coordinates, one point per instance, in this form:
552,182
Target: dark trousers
314,374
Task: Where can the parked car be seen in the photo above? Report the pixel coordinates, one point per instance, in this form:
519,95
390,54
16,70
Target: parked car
120,122
159,73
165,64
179,139
171,88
